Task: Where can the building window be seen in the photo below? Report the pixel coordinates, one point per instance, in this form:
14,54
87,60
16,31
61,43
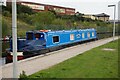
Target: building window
55,39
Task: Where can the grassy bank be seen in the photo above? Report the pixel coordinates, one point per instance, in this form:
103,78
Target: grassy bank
22,27
96,63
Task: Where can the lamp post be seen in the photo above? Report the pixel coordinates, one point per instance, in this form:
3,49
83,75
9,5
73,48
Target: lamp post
114,19
14,38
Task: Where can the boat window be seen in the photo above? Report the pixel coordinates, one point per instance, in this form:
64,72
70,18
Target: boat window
29,36
92,33
55,39
71,36
88,34
37,35
83,36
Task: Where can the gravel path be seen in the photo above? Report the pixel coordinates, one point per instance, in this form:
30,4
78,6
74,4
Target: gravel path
37,63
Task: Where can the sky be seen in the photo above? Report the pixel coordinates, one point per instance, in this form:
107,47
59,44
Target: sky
84,6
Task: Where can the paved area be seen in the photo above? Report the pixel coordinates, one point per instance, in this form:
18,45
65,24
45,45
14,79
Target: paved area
37,63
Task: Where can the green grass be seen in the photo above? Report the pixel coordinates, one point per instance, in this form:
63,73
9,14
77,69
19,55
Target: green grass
95,63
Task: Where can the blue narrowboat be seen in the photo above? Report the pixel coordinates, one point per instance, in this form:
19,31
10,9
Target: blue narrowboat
39,40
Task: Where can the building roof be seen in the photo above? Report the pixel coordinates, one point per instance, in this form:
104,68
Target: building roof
102,15
20,1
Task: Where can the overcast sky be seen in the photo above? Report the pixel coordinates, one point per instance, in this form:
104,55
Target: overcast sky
84,6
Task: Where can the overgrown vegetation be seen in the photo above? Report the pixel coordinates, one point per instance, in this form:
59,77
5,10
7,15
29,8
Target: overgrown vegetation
7,27
27,18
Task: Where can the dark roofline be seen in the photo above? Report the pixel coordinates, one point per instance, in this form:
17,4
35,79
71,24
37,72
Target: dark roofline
45,4
102,15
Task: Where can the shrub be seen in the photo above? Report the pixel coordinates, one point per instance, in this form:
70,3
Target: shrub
23,76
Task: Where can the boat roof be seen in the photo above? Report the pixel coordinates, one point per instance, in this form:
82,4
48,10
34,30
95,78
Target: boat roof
50,31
